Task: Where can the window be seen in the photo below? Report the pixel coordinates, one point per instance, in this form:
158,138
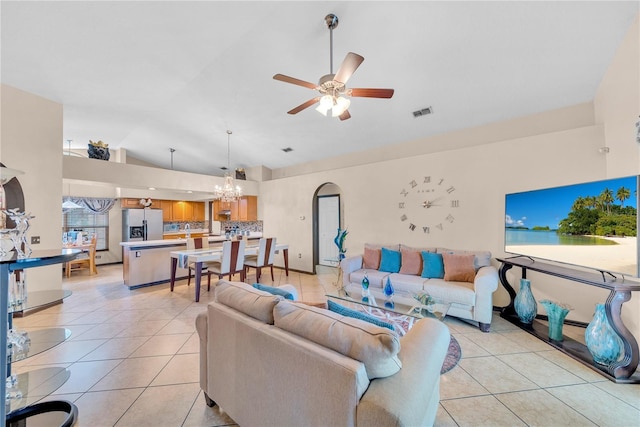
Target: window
88,222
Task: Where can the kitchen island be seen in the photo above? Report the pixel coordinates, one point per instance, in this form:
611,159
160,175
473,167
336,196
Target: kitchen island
145,262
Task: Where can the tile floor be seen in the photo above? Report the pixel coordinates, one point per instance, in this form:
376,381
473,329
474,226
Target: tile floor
133,357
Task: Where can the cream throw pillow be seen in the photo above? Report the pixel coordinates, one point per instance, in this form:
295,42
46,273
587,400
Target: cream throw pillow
376,347
246,299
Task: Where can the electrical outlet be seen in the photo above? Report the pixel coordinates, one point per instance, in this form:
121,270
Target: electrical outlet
299,255
35,240
98,256
138,254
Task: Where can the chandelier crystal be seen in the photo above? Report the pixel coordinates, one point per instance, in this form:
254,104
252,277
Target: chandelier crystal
228,192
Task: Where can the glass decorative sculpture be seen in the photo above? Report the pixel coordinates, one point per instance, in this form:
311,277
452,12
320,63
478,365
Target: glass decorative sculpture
556,312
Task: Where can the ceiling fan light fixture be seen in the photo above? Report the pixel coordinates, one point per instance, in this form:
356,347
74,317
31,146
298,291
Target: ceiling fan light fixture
342,104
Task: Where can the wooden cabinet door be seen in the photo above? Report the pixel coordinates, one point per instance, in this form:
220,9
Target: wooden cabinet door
242,209
252,208
198,211
130,203
182,211
167,210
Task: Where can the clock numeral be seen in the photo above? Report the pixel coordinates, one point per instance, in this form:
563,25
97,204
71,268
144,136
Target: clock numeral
439,226
450,218
427,179
455,203
451,189
403,218
441,181
404,192
412,227
425,230
401,205
413,184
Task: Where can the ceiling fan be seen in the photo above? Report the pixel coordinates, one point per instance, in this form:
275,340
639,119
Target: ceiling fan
334,94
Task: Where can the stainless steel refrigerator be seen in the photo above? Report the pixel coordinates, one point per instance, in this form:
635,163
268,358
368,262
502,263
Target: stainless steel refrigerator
141,224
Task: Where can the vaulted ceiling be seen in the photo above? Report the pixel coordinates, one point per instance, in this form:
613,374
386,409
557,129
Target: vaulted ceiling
149,76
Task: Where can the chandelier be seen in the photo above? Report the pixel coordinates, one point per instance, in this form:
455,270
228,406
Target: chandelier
228,192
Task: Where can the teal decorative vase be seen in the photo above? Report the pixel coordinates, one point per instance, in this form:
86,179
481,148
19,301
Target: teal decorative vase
388,292
525,303
556,313
365,287
602,341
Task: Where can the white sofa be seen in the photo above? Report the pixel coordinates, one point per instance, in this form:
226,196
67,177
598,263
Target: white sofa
472,301
271,362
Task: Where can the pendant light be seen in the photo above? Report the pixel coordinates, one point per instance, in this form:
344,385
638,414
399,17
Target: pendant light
228,192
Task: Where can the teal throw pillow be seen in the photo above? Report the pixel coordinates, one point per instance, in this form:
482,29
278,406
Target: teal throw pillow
432,265
347,312
390,261
273,290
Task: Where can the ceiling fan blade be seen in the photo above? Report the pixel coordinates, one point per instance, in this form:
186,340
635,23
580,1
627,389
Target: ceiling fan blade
371,93
294,81
345,115
350,64
303,106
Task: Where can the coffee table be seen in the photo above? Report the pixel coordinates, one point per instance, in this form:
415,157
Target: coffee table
399,313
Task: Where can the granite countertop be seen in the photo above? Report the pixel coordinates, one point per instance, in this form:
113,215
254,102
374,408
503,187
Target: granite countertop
193,230
174,242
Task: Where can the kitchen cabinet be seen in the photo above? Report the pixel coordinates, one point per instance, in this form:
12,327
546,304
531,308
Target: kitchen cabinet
130,203
198,211
244,209
182,211
167,209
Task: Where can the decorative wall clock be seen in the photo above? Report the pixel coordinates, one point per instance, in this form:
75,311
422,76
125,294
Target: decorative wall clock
428,204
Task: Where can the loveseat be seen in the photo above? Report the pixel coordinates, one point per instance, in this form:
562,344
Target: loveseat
466,279
267,361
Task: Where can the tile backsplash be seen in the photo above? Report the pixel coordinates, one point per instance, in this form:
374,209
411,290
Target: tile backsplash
179,225
242,225
174,226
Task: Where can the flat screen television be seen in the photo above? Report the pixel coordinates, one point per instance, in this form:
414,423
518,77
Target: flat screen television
592,225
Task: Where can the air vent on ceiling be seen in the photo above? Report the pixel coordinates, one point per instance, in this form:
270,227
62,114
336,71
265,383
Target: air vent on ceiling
287,150
224,168
423,112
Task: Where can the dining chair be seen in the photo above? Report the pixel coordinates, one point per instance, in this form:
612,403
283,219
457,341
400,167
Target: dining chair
264,257
231,261
87,259
198,243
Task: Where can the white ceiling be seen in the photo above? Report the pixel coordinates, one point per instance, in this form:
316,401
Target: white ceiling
149,76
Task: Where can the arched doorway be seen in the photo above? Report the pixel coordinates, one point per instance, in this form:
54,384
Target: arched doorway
327,218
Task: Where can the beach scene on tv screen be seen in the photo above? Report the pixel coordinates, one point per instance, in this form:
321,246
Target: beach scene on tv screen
591,224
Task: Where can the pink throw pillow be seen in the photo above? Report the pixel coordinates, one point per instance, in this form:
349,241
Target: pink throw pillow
371,259
411,263
459,268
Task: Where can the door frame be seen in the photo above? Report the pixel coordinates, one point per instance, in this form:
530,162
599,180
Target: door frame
316,231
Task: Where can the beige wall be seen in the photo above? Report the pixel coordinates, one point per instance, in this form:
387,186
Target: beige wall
31,141
549,149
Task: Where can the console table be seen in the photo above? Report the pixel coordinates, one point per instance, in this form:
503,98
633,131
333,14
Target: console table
10,264
619,292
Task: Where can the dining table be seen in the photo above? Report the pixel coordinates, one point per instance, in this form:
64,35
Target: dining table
85,247
183,258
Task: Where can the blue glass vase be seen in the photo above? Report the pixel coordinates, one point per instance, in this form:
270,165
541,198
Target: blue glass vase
602,341
556,313
524,303
388,292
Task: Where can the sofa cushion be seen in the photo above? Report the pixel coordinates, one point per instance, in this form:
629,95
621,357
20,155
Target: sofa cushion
432,265
406,283
376,277
459,268
411,262
371,258
274,291
482,258
246,299
390,261
346,311
377,348
458,292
